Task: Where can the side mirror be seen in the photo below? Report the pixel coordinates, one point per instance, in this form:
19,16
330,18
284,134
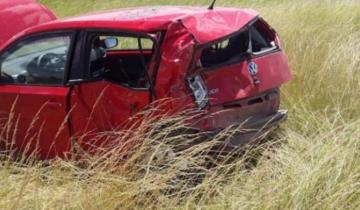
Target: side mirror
111,42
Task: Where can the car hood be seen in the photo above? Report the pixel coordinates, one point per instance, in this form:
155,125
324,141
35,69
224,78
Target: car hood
18,15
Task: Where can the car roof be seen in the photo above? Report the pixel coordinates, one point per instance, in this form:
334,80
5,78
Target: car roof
206,25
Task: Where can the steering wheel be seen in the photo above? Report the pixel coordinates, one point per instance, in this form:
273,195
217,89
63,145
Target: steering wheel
50,60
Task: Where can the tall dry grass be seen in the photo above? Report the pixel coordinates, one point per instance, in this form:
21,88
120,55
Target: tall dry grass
312,163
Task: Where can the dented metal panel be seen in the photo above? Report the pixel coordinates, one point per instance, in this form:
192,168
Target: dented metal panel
174,65
235,82
215,24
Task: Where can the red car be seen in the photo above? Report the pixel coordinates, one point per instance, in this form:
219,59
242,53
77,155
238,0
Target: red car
63,79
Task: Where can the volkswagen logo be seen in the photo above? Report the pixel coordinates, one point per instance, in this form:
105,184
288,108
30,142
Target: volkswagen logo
253,68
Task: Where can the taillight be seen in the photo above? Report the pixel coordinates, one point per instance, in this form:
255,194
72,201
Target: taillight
197,85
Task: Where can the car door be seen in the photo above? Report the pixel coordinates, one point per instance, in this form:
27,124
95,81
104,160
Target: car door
33,97
105,99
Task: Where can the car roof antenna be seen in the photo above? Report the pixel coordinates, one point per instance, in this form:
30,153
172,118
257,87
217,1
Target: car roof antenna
211,7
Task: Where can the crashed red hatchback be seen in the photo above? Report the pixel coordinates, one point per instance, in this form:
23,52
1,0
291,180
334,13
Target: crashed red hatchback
61,79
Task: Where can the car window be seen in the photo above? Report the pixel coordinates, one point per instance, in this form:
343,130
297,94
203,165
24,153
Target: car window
228,51
261,41
121,59
38,61
252,40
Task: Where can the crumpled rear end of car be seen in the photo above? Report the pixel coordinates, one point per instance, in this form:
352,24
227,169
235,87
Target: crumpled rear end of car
233,76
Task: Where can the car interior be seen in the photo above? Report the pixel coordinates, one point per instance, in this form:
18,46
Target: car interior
39,61
122,60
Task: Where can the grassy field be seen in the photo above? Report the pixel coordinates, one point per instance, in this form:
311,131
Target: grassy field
313,163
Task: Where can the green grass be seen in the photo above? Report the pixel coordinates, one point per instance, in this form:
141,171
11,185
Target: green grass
313,164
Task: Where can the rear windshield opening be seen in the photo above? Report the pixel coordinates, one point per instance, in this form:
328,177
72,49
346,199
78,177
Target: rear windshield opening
238,47
121,59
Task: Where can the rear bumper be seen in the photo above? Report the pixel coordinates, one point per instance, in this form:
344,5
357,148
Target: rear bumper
267,122
253,130
252,117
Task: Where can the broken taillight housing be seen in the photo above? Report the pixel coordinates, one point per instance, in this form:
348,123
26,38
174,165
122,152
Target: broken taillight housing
197,85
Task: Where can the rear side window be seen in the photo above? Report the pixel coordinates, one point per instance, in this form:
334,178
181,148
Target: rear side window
256,39
37,61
